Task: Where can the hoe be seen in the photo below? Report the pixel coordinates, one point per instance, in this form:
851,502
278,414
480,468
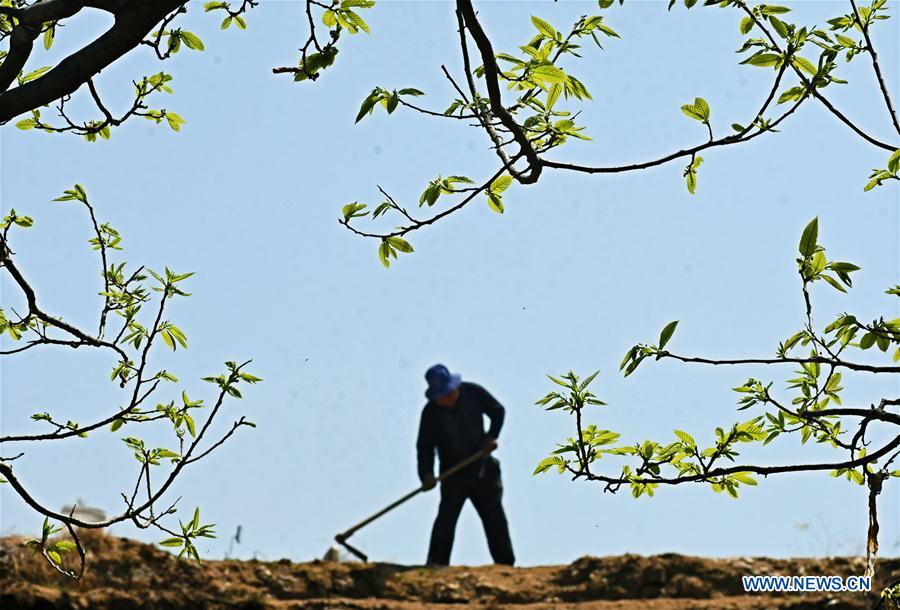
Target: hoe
333,553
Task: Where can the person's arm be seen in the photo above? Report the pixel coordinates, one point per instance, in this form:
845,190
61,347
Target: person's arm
425,448
494,411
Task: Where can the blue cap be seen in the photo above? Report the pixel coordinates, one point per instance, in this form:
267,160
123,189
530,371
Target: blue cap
440,381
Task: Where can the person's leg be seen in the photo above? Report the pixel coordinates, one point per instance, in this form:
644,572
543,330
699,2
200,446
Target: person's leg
488,502
452,499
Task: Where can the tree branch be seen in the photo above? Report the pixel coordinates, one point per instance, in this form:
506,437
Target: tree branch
400,231
760,470
133,21
33,308
491,71
871,48
813,90
686,152
7,472
853,366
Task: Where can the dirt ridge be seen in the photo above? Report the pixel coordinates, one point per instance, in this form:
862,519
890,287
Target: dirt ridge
125,574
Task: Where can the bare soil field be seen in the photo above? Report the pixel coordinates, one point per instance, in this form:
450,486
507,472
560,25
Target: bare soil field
124,574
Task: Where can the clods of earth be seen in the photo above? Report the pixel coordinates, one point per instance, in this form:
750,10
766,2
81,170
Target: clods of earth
125,574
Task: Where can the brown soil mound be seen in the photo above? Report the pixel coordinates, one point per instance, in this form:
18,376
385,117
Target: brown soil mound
124,575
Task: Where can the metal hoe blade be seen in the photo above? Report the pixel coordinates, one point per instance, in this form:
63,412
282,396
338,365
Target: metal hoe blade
343,542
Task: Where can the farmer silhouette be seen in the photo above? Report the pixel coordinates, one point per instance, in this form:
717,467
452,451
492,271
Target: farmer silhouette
453,424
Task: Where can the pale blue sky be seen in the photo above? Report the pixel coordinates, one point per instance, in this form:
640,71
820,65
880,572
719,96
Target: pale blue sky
576,271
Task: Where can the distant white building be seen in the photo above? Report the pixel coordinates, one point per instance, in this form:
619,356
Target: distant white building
80,510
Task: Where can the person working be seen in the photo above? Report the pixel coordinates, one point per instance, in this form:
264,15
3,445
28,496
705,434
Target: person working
453,425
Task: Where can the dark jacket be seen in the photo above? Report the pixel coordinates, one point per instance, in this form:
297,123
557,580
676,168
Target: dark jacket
457,432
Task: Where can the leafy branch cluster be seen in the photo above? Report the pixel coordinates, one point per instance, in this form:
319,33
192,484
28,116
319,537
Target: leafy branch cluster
319,52
541,116
131,322
91,129
814,412
890,597
136,24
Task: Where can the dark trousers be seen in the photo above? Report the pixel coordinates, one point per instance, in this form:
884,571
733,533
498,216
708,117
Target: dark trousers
485,493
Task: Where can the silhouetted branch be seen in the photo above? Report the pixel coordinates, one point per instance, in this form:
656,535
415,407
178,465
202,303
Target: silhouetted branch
871,48
853,366
134,19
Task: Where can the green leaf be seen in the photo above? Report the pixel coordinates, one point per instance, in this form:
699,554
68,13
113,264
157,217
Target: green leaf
495,202
545,28
356,20
384,254
48,37
167,338
809,238
26,124
818,262
353,210
763,60
893,163
793,94
64,546
747,24
691,181
690,175
392,102
191,40
833,282
867,341
501,183
75,193
430,194
804,64
701,105
548,463
779,26
686,438
667,333
744,477
368,104
548,73
400,244
553,95
172,542
178,335
34,74
463,179
174,120
699,110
